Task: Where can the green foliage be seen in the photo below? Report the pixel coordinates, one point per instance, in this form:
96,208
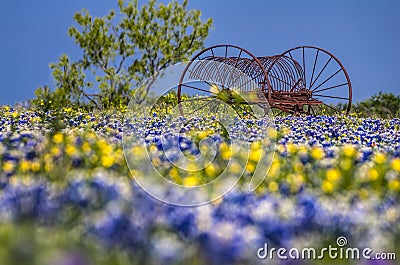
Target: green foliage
120,52
382,105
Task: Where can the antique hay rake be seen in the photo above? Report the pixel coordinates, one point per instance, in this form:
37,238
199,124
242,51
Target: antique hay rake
303,80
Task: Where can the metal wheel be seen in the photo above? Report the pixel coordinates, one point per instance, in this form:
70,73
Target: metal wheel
327,85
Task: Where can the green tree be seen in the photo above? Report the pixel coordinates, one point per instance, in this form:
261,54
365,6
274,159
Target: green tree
384,105
120,52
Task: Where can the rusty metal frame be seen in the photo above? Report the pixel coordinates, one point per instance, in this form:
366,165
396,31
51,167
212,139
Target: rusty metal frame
281,78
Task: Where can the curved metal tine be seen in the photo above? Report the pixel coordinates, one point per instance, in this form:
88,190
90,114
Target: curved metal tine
214,67
203,64
248,81
231,81
206,68
244,71
326,64
291,75
209,69
282,66
231,77
200,89
332,87
280,80
226,54
329,78
201,79
313,70
226,74
235,76
325,96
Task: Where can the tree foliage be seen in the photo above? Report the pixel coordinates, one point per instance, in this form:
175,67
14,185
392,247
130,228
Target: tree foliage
121,51
383,105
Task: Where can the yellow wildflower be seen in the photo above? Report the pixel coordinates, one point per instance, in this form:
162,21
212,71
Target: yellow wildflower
396,164
107,161
274,168
174,174
201,135
86,148
379,158
317,153
273,186
280,148
273,134
298,167
255,155
190,181
8,166
211,170
373,174
346,164
153,149
255,145
25,166
332,174
104,147
226,151
349,150
35,166
250,167
327,186
55,151
394,185
70,150
58,138
291,148
48,167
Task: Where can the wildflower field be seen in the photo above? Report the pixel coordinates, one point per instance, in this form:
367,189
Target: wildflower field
68,197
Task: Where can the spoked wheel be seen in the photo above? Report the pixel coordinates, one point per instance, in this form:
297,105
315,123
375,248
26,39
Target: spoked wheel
222,73
327,85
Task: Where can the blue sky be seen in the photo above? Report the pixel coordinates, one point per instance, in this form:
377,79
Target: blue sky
364,35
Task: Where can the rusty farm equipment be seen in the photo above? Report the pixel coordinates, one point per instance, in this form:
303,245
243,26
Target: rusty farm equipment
303,80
